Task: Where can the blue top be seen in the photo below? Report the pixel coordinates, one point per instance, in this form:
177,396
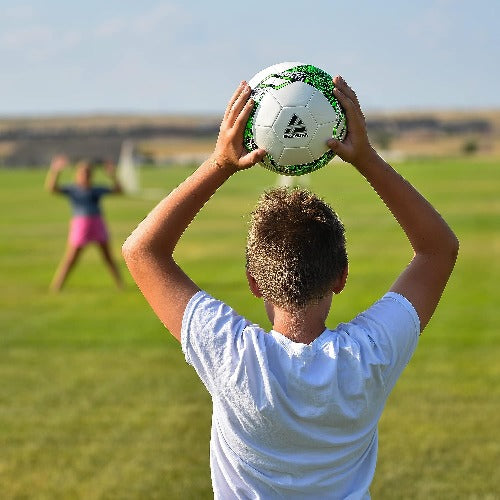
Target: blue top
85,201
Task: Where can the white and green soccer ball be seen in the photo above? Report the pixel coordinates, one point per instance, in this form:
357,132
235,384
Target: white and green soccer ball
294,115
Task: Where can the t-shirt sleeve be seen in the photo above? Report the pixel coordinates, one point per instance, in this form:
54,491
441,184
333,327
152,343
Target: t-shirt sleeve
387,334
211,338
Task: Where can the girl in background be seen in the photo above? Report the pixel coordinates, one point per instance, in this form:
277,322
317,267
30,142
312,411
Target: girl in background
87,223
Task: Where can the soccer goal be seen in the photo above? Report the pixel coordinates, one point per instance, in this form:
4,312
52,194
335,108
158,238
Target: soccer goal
128,170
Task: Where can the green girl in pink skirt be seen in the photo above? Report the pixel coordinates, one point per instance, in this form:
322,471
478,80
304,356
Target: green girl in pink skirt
87,224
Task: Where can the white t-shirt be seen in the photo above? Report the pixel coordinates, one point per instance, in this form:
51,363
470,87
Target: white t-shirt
292,420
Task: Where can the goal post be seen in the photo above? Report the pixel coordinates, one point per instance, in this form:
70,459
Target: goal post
128,170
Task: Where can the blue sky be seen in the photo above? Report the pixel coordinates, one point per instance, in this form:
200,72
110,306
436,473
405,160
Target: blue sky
187,56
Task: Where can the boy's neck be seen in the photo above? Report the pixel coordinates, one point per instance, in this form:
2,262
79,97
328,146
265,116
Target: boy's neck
302,326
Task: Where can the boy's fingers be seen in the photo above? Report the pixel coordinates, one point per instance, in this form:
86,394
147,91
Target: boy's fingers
252,158
242,118
233,99
345,101
337,147
238,105
341,84
354,114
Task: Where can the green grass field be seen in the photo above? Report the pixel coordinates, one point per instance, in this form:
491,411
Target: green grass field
96,400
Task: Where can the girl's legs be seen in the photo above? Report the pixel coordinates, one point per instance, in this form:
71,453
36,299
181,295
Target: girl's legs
67,263
110,262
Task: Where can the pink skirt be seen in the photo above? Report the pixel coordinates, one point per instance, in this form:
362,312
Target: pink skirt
85,229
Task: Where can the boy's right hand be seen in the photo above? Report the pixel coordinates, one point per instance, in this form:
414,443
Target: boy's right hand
355,148
230,153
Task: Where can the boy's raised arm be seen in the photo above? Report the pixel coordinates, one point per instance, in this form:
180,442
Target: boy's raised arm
148,251
434,243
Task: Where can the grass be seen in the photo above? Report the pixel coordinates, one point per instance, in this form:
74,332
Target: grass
96,400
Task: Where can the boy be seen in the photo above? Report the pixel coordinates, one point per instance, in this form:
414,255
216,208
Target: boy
295,410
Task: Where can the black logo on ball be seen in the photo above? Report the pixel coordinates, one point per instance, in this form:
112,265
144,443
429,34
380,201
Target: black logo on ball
296,128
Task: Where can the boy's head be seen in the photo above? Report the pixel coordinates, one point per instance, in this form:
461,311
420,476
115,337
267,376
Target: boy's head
295,248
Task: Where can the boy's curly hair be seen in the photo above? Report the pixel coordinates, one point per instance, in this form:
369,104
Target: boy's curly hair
295,247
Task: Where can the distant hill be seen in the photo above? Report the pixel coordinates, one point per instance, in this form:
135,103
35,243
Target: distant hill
32,141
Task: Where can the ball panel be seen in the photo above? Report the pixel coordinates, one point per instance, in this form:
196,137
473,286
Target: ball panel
295,156
293,94
317,145
321,109
266,138
295,126
267,111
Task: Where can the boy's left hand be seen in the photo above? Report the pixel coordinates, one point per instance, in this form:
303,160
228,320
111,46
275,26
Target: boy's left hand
229,151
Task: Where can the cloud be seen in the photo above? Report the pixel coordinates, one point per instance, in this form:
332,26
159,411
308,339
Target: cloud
434,24
31,36
111,27
17,12
26,37
37,44
161,19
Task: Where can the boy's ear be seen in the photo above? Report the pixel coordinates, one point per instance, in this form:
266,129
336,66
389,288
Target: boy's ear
339,284
254,288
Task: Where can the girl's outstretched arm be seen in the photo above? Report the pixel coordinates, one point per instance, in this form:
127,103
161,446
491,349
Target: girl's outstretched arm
57,165
110,169
148,251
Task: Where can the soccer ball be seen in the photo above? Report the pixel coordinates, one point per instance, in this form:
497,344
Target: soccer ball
295,113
